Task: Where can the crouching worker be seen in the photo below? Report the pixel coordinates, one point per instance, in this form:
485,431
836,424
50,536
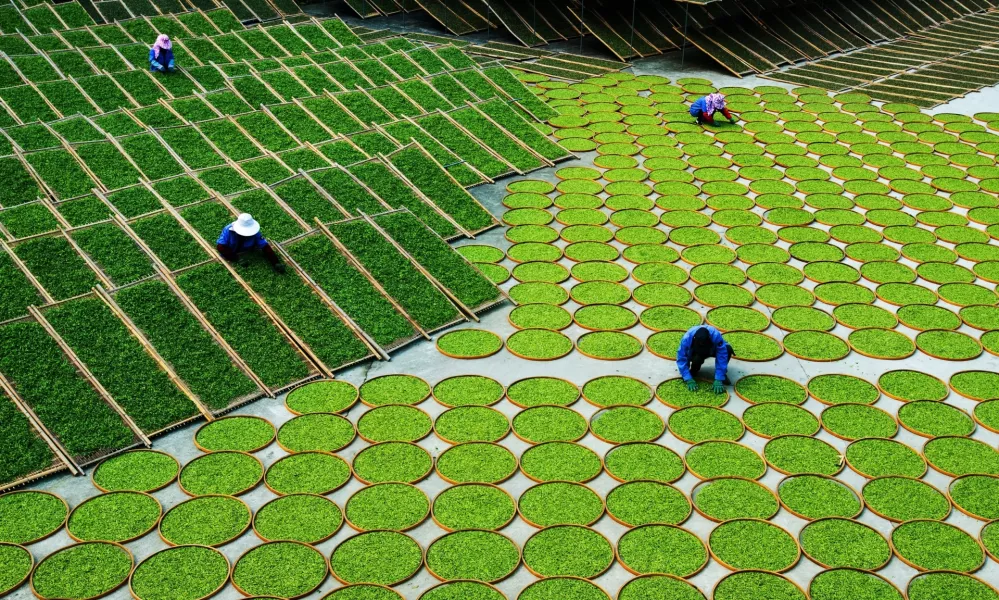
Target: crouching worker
161,56
704,109
699,343
243,236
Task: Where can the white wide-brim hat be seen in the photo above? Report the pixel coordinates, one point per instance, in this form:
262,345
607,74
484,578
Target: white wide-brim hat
245,225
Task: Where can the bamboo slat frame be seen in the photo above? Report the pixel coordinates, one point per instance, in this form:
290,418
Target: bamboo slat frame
419,267
357,262
71,463
301,347
495,222
504,296
61,459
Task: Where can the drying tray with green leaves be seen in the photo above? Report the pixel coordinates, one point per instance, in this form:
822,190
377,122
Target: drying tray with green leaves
644,461
875,457
662,549
136,471
534,391
471,424
625,424
114,517
609,345
240,433
974,495
83,571
322,396
394,423
708,460
836,388
401,462
854,421
911,386
812,496
762,388
306,518
394,389
469,343
675,394
227,473
774,419
540,316
473,555
560,503
327,432
816,346
749,583
29,516
376,557
898,498
928,418
955,456
544,423
473,506
568,550
834,542
560,461
18,563
307,473
616,390
696,424
934,545
468,390
741,544
561,587
192,572
800,454
724,498
643,502
539,344
389,506
476,462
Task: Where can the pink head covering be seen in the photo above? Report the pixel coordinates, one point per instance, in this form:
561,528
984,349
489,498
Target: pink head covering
715,102
163,41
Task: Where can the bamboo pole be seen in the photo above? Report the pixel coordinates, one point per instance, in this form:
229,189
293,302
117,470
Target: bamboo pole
27,273
50,439
349,322
203,320
374,282
152,352
289,333
105,395
416,265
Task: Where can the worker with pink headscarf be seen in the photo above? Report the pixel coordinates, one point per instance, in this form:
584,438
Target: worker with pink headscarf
161,55
704,109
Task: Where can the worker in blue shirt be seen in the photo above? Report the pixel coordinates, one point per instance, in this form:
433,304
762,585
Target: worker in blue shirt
704,108
699,343
242,236
161,55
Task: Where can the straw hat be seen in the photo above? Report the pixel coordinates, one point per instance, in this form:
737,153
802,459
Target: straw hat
245,225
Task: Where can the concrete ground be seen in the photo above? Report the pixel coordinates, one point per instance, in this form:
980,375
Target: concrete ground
422,359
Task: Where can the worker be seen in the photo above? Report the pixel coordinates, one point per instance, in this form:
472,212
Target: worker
705,107
161,55
699,343
242,236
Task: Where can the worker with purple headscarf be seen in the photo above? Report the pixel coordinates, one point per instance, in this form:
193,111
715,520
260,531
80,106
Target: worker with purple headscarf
705,108
161,55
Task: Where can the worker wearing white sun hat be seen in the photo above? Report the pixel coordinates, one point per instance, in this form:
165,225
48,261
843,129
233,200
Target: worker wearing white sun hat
242,236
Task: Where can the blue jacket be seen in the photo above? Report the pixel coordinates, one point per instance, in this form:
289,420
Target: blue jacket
719,352
699,106
238,243
165,59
